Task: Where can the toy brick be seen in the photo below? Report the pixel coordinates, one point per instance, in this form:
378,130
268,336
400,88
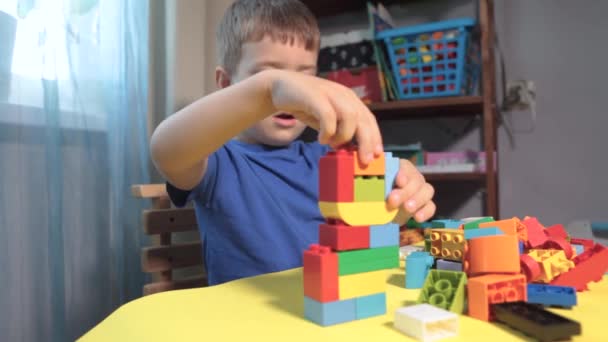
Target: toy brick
476,222
552,295
384,235
522,247
444,289
446,243
361,284
341,237
559,243
508,227
492,289
375,168
391,168
417,267
552,263
367,260
535,321
579,249
450,224
372,305
329,313
369,189
448,265
586,243
590,266
492,254
426,322
557,230
336,176
358,213
480,232
536,232
320,274
530,268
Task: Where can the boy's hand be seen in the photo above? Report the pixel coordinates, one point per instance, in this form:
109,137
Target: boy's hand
332,109
412,195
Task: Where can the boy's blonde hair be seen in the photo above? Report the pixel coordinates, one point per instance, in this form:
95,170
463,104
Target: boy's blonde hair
285,21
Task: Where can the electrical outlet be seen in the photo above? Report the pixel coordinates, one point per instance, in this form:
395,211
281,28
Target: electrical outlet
520,95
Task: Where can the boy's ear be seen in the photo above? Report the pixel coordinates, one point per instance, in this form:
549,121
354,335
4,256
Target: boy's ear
222,78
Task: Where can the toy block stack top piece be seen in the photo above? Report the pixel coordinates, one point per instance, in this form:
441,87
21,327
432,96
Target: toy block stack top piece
345,274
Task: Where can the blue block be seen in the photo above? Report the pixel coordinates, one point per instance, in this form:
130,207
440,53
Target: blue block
450,224
417,266
522,248
369,306
448,265
330,313
479,232
551,295
579,249
384,235
391,167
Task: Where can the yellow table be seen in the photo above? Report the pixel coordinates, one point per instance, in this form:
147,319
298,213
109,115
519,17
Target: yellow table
270,307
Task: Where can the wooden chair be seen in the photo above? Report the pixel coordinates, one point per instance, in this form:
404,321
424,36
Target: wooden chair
167,255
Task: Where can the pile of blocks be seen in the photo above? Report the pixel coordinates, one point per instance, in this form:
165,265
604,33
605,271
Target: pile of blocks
511,268
345,273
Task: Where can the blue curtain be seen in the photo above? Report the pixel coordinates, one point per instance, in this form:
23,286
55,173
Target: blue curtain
73,139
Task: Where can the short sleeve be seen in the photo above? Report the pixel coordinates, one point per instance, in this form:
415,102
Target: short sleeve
203,192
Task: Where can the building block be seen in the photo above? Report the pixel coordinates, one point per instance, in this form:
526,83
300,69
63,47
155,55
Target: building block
557,230
590,266
369,306
444,289
367,260
329,313
451,224
369,189
358,213
492,289
336,175
320,274
492,254
479,232
552,295
552,263
375,168
446,243
522,247
404,251
447,265
535,321
508,227
579,249
586,243
559,243
417,266
426,322
384,235
530,268
361,284
476,222
391,168
341,237
536,232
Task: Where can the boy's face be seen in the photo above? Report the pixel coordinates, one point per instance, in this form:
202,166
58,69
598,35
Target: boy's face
279,129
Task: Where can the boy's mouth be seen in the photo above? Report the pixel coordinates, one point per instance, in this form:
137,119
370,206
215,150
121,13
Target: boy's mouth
284,120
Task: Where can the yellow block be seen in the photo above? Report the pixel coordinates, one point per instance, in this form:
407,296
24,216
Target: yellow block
358,213
361,284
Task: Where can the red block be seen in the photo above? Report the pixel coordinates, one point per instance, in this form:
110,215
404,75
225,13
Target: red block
557,230
536,232
321,274
559,243
590,266
529,267
586,243
337,177
342,237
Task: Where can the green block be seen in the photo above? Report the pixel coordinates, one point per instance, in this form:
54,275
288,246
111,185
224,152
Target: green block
475,224
369,189
367,260
444,289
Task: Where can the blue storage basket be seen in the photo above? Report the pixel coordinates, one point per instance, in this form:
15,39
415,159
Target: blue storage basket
432,60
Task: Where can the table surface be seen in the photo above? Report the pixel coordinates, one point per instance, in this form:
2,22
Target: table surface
271,307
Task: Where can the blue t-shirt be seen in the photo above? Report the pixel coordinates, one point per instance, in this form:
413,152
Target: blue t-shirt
257,208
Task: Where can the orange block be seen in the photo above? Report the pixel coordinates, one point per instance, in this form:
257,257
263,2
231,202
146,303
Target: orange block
492,254
375,168
508,227
492,289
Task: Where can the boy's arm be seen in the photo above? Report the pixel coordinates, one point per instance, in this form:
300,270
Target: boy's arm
182,143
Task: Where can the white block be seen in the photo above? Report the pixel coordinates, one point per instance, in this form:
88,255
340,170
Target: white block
426,322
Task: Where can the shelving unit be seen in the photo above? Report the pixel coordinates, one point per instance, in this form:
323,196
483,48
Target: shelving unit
484,105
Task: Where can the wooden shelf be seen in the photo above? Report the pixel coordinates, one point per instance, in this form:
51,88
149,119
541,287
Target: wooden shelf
425,108
455,176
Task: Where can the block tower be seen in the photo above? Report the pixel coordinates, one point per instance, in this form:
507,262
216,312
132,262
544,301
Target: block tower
345,273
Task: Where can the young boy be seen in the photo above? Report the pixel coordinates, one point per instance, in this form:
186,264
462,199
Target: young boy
235,153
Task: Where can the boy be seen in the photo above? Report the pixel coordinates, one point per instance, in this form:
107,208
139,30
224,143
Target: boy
235,153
